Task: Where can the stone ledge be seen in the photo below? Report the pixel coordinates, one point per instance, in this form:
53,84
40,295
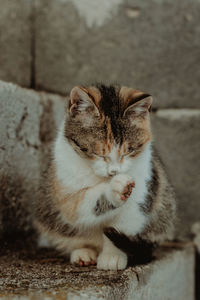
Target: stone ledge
44,275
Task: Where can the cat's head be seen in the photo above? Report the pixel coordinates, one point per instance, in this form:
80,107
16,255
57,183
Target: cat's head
108,126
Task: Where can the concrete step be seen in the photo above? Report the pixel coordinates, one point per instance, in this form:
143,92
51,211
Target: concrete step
44,275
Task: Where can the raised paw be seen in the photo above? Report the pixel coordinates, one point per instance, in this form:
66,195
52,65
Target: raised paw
110,261
127,191
83,257
121,187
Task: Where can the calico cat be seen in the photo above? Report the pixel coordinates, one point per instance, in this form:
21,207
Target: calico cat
105,191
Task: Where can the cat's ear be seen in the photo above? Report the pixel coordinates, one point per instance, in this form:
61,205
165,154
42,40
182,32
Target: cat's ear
140,107
80,101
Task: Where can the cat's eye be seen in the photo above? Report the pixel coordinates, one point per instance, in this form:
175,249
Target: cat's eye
84,149
79,146
132,150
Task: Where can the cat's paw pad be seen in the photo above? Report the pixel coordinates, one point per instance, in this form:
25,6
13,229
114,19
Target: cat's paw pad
83,257
110,261
122,186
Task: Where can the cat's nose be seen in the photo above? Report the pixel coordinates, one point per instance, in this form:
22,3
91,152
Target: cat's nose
113,172
113,169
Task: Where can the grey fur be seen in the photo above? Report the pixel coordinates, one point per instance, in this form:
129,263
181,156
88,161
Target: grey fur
103,205
160,206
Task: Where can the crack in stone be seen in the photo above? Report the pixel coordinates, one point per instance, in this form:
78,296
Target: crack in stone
20,125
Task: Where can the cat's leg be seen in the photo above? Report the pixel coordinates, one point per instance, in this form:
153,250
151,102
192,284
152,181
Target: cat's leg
108,198
81,249
115,194
100,202
85,249
111,258
83,256
128,224
86,211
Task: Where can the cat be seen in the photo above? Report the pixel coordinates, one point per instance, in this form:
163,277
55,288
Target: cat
105,191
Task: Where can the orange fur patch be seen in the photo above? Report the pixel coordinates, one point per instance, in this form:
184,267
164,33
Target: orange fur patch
94,92
127,94
66,200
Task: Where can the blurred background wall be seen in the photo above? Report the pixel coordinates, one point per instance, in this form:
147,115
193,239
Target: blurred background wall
153,45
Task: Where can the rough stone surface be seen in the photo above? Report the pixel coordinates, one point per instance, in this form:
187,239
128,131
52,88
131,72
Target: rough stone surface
27,274
177,138
16,41
28,122
152,45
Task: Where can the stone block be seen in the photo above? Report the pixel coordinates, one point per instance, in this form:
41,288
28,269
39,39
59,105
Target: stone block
16,41
177,138
28,122
170,276
151,45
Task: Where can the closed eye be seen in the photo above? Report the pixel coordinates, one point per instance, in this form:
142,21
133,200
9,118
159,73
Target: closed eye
133,151
130,152
78,145
84,149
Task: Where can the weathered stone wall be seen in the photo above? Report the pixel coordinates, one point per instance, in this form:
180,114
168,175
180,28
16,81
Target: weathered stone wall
177,138
153,45
16,57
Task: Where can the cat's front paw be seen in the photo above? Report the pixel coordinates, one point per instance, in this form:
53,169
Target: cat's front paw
83,257
112,261
121,188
